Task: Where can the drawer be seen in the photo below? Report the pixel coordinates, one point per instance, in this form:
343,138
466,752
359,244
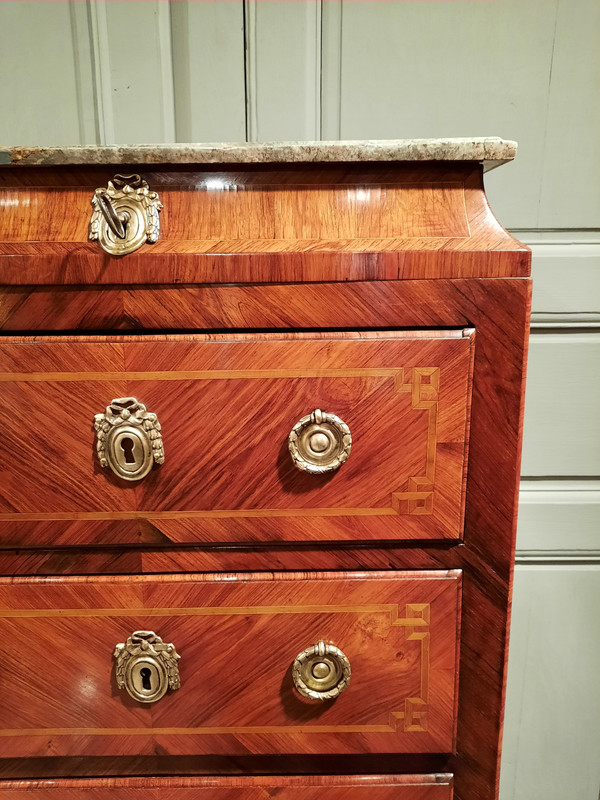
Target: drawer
227,405
241,639
363,787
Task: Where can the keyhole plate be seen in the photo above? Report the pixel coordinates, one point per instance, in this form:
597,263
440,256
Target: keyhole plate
146,679
129,452
134,221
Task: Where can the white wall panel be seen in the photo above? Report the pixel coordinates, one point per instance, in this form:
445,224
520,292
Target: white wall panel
331,69
85,72
552,724
135,51
283,41
566,281
560,517
41,100
454,69
570,196
562,420
87,100
209,71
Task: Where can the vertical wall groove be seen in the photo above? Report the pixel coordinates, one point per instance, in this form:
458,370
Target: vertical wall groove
331,70
100,52
165,55
314,102
85,85
180,57
250,69
245,33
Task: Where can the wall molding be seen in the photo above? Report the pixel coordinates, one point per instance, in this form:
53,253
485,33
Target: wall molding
100,53
559,519
554,323
84,75
566,278
561,435
315,54
165,55
557,558
250,38
331,70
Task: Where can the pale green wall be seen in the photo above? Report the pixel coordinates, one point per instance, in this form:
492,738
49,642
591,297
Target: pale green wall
159,71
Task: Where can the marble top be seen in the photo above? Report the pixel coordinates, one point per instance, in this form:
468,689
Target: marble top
491,150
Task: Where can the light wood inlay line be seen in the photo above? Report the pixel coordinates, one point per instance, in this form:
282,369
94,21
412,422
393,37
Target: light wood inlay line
212,514
200,375
415,715
392,610
291,729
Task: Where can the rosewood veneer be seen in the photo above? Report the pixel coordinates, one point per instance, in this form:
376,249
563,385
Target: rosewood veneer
314,358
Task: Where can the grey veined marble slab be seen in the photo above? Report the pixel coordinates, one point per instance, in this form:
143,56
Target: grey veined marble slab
492,151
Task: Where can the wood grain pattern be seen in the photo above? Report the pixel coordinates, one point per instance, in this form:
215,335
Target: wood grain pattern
498,309
357,787
226,216
273,224
336,284
237,636
353,306
226,409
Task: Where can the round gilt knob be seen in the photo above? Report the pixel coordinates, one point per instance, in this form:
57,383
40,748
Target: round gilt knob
321,672
319,442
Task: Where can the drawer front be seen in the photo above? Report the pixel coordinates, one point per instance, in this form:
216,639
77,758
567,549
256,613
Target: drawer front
363,787
226,406
238,637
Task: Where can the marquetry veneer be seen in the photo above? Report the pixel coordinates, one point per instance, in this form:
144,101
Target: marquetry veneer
384,293
227,405
238,636
398,787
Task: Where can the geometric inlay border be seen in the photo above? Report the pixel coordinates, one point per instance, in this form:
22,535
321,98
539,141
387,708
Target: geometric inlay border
422,383
416,621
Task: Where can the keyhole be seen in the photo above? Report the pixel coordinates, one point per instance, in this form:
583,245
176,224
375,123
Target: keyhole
145,674
127,448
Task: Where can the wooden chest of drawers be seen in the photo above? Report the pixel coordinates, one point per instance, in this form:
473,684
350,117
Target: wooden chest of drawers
260,435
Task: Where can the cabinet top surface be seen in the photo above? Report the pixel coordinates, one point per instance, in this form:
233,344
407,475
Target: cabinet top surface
492,151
